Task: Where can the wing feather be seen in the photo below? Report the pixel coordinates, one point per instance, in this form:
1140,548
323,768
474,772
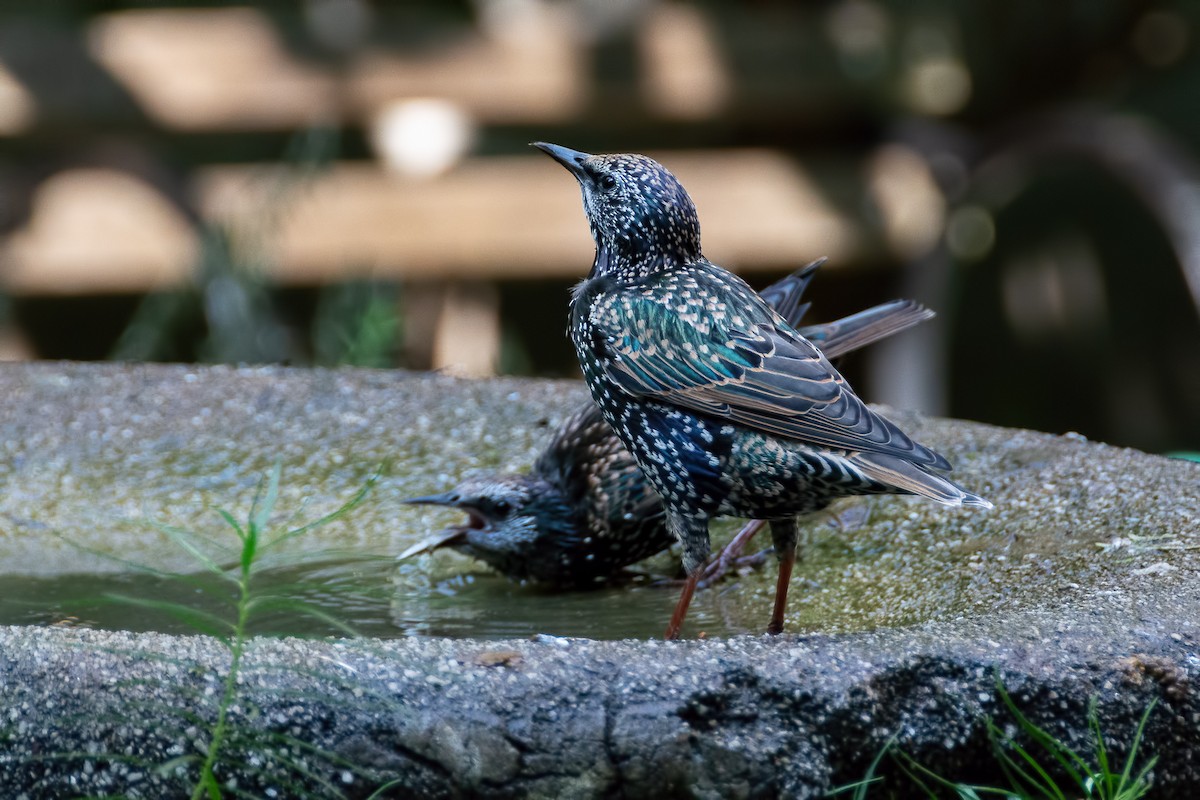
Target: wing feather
760,373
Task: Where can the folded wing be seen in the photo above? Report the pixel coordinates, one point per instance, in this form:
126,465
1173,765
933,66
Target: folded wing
760,373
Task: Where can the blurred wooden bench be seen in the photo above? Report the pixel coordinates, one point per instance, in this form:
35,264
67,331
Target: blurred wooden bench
500,218
220,70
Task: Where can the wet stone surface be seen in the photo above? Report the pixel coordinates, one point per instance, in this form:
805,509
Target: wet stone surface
1080,584
96,457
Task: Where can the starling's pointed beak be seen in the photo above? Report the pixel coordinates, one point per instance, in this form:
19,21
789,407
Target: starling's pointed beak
571,159
451,499
446,537
443,499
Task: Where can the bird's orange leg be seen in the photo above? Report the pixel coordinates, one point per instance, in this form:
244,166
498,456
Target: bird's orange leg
681,608
775,626
784,533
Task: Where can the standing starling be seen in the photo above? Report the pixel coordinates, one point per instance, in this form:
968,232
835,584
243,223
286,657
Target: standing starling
585,512
727,409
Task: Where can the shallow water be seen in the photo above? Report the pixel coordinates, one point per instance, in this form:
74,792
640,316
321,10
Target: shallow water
868,564
372,597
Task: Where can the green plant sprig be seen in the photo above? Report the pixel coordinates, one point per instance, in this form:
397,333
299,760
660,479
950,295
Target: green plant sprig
1026,771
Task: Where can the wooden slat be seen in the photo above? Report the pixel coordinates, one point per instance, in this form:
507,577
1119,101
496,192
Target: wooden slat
211,69
492,218
510,217
227,69
95,231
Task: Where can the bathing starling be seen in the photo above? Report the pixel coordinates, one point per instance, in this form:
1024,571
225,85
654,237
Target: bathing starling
727,408
585,512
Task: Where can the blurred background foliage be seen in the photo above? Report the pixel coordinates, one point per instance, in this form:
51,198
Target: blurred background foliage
345,182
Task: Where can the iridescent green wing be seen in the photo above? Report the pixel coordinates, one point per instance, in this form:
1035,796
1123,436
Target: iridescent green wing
705,341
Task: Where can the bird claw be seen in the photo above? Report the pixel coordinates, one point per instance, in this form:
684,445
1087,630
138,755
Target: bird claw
720,568
723,565
732,557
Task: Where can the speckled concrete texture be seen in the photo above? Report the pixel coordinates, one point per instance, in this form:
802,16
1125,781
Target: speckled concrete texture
1080,584
91,453
95,456
92,712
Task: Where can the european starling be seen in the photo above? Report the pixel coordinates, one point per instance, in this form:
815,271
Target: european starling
727,409
584,512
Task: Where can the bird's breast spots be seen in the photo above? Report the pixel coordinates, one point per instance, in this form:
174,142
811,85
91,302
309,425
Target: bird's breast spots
600,345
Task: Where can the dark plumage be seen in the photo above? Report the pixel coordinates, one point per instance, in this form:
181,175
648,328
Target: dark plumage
580,515
585,512
727,409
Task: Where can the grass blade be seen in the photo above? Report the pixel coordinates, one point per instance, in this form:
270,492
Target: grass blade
264,506
202,621
1140,785
186,540
337,513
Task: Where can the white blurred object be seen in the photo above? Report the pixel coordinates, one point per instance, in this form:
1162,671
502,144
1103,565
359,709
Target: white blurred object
910,203
422,137
17,106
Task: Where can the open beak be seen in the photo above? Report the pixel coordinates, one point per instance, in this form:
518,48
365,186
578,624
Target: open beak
449,536
438,540
571,159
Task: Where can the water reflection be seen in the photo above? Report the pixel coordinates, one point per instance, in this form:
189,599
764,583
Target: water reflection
488,606
373,597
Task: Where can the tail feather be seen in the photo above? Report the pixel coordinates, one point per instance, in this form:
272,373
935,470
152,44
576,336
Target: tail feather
849,333
858,330
784,295
909,477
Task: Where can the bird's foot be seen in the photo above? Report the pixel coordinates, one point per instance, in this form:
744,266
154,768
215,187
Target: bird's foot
724,565
730,558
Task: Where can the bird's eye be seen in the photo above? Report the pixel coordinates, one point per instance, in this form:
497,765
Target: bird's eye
608,182
502,506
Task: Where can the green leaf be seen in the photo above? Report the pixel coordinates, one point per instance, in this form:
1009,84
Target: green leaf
186,540
264,506
199,619
337,513
232,522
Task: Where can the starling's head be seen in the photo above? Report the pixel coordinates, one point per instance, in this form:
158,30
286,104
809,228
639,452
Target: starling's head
635,207
508,518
